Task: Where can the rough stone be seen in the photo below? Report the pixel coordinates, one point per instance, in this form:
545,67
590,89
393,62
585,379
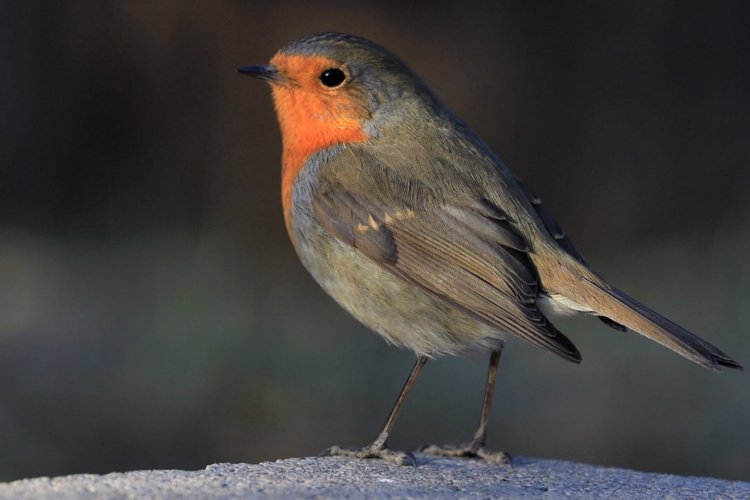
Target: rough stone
343,477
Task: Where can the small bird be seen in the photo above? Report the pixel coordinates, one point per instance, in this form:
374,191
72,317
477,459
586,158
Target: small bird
413,225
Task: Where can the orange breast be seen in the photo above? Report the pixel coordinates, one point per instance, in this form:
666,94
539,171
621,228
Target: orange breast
311,118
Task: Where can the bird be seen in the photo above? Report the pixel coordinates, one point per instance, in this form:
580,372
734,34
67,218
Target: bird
408,220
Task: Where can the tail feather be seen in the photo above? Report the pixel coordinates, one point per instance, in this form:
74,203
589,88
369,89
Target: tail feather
623,309
671,335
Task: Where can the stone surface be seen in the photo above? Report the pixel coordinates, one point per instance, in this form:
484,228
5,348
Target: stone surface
343,477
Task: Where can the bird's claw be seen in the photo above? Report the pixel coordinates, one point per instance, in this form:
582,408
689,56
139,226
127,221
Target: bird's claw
394,457
469,451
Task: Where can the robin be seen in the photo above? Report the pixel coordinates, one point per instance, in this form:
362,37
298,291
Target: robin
415,227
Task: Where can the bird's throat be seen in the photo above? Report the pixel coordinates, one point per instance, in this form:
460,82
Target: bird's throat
310,123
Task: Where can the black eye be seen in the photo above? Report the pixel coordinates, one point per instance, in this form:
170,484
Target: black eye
332,77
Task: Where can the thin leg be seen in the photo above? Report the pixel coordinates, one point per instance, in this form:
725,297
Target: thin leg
476,448
382,439
378,448
480,437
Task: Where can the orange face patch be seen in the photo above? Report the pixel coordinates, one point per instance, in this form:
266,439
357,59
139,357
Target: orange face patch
312,117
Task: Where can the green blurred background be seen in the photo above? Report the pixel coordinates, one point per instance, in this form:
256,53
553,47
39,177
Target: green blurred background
154,315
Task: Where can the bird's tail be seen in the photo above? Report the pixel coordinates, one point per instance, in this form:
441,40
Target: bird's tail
590,291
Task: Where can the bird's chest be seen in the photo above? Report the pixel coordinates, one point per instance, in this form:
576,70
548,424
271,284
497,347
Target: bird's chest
359,285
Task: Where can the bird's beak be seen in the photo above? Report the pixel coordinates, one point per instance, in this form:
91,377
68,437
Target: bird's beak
262,71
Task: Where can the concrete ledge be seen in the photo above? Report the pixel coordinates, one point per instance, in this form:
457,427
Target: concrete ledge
339,477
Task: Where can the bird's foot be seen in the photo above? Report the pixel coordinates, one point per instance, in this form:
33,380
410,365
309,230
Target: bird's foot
471,450
394,457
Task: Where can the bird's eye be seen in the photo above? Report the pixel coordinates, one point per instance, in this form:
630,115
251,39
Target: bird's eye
332,77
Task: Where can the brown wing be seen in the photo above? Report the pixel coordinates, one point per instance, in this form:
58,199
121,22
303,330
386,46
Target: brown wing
470,256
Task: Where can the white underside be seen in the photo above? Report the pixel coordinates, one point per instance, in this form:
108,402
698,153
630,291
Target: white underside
558,305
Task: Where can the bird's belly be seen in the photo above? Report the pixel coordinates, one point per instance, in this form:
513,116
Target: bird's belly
402,313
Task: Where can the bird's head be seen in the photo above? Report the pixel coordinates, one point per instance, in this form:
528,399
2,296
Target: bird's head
330,88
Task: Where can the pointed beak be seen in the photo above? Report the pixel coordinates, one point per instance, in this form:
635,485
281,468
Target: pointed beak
262,71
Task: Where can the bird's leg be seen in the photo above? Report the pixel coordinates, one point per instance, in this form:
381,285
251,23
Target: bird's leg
476,448
378,449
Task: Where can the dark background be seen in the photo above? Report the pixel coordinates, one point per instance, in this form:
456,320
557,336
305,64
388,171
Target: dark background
154,315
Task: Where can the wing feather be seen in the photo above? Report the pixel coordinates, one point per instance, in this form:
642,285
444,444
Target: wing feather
470,256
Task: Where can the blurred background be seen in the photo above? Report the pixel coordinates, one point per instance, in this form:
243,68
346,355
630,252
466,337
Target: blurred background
153,313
